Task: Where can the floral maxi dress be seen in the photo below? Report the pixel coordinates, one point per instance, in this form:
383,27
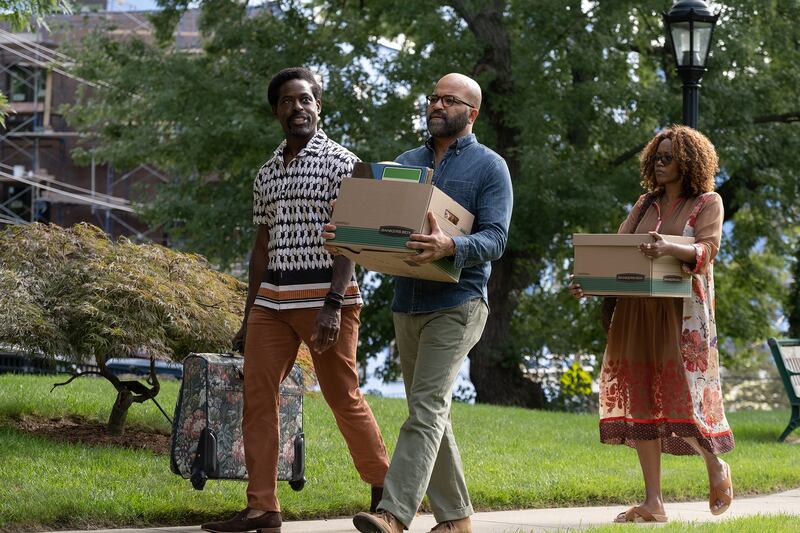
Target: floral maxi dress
660,373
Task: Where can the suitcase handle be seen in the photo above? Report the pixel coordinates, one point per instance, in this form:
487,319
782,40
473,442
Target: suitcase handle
231,355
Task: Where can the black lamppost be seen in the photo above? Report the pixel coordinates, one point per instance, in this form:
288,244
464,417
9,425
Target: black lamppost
690,26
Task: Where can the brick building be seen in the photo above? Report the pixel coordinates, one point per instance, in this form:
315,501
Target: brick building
39,181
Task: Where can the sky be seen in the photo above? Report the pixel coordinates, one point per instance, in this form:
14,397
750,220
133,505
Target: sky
131,5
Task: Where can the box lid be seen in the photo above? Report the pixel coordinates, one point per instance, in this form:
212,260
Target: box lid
622,239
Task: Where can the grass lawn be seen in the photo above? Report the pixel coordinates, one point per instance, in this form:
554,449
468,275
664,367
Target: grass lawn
751,524
514,458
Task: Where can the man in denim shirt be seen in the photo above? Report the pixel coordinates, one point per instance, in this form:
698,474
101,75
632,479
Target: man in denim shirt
436,324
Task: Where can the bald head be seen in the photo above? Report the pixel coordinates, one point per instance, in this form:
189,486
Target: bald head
458,99
460,86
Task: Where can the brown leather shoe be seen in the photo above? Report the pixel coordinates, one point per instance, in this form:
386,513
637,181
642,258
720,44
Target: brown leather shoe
375,498
269,522
462,525
380,522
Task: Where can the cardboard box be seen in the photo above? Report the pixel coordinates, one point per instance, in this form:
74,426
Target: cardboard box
612,265
374,219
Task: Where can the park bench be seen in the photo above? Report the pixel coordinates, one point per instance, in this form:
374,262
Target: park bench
787,358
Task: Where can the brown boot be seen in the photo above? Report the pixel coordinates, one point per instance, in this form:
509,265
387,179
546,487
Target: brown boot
462,525
268,522
380,522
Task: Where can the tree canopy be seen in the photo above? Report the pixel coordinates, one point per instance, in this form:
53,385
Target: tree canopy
21,14
76,293
572,92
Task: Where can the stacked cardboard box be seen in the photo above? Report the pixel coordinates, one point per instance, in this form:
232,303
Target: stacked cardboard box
613,265
377,211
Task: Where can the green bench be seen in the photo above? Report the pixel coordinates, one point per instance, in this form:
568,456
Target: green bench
787,358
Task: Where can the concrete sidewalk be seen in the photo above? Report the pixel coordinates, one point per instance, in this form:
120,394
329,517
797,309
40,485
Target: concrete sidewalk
540,520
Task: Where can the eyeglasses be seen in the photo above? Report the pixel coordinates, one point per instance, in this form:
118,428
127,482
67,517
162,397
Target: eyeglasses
447,100
666,159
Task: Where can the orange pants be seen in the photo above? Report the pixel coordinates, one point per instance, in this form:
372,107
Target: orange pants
273,338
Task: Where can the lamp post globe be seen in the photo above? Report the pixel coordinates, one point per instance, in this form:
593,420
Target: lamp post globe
689,27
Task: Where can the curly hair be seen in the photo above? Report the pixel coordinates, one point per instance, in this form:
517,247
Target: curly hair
288,74
696,157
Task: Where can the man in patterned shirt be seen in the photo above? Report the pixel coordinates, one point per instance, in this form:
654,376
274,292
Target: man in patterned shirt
299,292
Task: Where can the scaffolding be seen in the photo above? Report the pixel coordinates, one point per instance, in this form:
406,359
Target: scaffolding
31,145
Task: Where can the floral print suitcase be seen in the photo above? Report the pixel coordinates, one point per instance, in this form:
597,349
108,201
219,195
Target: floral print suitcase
207,428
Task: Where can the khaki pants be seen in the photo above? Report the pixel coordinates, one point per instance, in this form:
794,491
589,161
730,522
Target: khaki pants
432,348
273,338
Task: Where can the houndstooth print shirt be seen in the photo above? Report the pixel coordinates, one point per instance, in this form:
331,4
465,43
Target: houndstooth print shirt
294,201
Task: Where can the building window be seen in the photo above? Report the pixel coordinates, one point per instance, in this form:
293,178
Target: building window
25,84
20,122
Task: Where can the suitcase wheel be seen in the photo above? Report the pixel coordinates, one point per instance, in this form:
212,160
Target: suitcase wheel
198,479
298,484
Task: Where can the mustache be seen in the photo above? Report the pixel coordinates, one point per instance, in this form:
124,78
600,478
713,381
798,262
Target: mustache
299,115
438,114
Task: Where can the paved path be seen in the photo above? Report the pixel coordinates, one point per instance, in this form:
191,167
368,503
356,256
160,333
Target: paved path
541,520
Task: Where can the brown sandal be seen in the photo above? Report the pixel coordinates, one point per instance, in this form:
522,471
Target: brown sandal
639,515
718,493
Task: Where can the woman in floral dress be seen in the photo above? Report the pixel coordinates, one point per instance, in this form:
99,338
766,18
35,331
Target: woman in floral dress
659,385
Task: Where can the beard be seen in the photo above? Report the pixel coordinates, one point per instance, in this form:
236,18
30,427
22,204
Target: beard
449,124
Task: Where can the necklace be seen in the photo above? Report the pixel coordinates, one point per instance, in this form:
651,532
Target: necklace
678,201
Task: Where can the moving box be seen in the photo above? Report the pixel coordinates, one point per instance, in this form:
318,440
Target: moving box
375,217
612,265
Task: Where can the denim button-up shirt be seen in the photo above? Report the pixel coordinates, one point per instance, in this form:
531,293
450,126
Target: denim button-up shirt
478,179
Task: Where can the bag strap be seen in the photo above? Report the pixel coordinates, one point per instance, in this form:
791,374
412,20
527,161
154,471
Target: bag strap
649,199
610,302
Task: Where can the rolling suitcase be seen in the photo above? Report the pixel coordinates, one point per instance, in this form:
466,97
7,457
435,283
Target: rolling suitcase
207,440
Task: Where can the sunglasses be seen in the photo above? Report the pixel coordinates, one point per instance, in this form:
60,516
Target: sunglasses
665,159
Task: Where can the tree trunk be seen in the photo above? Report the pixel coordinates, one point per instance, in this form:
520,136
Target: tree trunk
128,393
793,301
494,371
119,413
